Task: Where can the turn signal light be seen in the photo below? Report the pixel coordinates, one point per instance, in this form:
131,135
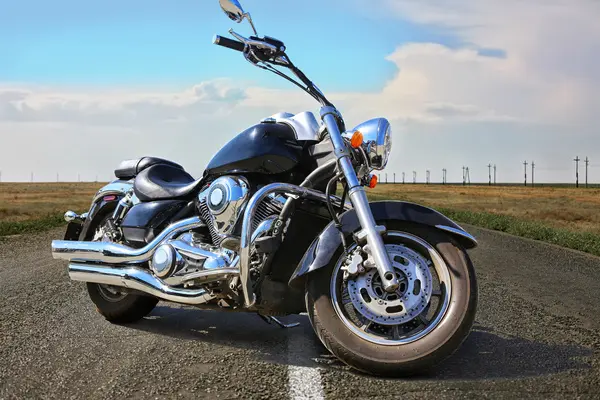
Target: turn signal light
356,140
373,181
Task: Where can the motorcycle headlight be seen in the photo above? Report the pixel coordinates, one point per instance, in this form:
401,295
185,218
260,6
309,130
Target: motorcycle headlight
377,139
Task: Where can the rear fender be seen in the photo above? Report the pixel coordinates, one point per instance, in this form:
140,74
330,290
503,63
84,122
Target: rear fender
323,248
105,201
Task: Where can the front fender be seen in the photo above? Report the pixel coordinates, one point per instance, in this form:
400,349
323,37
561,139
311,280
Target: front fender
322,249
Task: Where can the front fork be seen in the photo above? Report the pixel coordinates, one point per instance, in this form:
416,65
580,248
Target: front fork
371,232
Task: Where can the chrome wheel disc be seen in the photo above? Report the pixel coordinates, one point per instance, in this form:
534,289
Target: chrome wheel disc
108,292
406,315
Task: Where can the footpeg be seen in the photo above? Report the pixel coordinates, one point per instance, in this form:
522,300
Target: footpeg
270,320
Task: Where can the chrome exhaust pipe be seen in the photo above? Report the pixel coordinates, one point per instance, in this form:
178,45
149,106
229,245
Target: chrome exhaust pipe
142,280
107,253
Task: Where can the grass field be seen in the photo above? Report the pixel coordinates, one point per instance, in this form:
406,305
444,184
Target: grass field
562,215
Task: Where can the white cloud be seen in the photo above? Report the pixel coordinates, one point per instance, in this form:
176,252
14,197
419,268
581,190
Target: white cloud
448,106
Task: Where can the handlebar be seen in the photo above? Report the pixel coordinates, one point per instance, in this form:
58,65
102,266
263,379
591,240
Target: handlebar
229,43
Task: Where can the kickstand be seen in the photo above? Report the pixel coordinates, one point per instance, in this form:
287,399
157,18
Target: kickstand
269,320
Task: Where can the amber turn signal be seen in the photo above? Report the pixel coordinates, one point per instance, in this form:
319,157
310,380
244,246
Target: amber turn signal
356,140
373,181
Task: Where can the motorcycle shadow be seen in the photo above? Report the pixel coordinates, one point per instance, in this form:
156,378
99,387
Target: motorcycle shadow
485,354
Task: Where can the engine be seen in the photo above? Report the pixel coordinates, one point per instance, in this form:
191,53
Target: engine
188,259
223,203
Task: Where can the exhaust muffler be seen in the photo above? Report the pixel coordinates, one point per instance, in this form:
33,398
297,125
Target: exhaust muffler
113,253
144,281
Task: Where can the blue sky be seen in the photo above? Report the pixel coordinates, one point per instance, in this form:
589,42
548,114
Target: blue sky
157,42
463,82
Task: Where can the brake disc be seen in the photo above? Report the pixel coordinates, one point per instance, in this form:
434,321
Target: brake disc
410,299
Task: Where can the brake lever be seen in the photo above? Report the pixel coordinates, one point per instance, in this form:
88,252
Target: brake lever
256,43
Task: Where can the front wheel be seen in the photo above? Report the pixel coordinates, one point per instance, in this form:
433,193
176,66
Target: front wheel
400,333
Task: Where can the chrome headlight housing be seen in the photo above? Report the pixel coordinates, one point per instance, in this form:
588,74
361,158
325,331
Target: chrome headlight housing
377,141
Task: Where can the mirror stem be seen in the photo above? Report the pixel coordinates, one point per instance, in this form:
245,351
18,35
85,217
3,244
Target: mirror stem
249,18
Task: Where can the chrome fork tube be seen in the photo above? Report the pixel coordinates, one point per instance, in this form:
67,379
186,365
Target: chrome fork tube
358,197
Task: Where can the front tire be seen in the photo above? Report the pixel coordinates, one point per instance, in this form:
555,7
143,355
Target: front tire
378,347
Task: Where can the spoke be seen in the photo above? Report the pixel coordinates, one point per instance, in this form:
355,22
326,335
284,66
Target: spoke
395,332
366,326
423,319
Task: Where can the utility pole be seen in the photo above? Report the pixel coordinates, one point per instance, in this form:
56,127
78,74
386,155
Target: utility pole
32,177
428,176
414,177
468,177
57,177
464,177
587,163
577,159
394,178
403,178
525,163
532,173
386,177
444,176
490,174
494,174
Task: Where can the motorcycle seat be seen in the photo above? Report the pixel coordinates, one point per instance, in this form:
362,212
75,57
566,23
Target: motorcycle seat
129,169
163,182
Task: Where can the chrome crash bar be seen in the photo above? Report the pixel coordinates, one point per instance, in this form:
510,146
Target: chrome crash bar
259,196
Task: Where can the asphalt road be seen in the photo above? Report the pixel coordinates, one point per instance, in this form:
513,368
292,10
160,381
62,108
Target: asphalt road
536,336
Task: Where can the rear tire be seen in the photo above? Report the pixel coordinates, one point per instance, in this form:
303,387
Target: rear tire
386,359
124,309
115,307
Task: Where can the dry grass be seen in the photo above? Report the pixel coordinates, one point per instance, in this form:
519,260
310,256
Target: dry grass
30,201
565,216
576,210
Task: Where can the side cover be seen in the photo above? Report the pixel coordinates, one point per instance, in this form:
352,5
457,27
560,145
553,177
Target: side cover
323,248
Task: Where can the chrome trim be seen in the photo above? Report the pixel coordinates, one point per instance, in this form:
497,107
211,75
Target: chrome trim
211,260
138,279
117,187
257,198
106,252
359,200
304,124
72,216
226,212
459,232
208,275
377,141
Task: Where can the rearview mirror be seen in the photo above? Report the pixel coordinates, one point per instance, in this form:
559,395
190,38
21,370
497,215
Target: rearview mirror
233,9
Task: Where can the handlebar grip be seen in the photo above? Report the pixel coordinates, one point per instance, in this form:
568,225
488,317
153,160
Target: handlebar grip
225,42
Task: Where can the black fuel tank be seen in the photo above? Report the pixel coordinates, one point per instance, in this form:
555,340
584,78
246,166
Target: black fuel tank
266,148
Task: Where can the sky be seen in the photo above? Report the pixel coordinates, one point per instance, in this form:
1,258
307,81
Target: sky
84,85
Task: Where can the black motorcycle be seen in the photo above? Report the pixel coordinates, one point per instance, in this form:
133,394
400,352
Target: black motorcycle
387,285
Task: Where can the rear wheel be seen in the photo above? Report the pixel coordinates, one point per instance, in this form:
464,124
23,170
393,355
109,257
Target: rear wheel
404,332
115,303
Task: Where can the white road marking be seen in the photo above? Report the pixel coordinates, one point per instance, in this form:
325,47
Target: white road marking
304,383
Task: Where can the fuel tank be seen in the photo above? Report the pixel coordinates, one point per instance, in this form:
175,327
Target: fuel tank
265,148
